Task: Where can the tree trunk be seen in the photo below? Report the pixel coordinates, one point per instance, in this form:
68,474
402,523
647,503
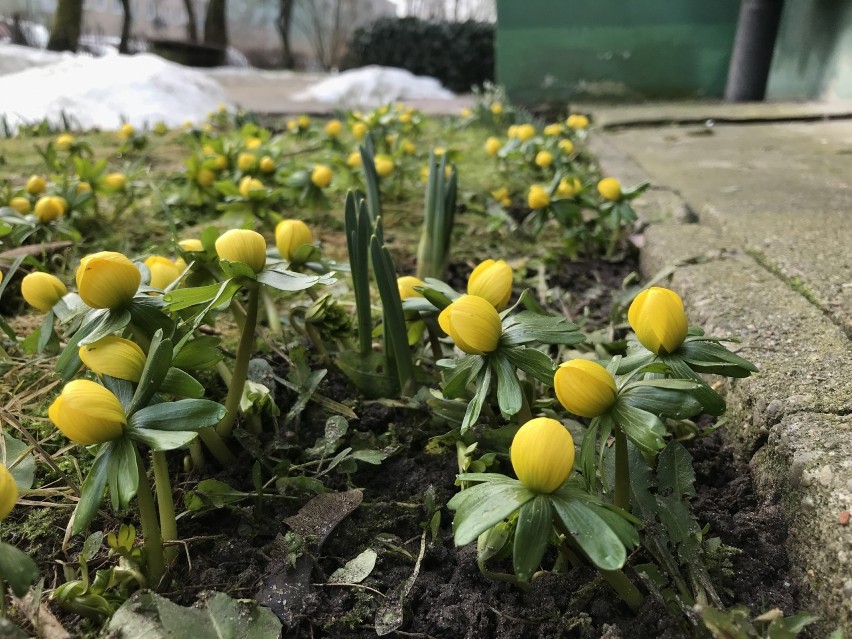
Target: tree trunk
216,24
124,45
191,22
67,22
285,20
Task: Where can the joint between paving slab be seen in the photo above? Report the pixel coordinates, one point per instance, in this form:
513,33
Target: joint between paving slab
710,121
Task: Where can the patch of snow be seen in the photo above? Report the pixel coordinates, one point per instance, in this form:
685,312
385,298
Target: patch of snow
372,86
14,58
104,92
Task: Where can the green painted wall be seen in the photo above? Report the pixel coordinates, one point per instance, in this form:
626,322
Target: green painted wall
813,53
553,50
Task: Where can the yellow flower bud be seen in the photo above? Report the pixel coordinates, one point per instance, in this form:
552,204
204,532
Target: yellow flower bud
493,281
493,145
205,178
126,131
36,185
191,245
473,324
439,151
267,164
114,356
658,319
163,271
220,163
42,290
333,128
408,147
577,121
584,388
321,175
384,165
83,187
242,245
359,130
538,197
543,159
496,108
107,279
610,189
304,121
290,235
253,142
405,118
246,161
115,181
466,112
568,187
87,413
64,141
354,160
8,493
249,184
406,285
542,454
526,132
20,204
567,146
292,126
552,130
512,131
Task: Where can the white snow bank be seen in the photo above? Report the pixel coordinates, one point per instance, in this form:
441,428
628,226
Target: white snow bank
374,85
14,58
104,92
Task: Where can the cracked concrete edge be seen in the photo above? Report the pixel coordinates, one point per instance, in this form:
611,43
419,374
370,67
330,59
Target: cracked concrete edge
804,379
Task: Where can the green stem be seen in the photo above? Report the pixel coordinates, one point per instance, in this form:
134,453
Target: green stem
239,314
224,372
155,560
165,502
525,413
2,598
235,391
624,587
196,453
216,445
622,471
272,316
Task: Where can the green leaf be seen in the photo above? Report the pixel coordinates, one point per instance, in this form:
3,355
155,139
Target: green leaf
281,279
357,228
146,314
457,378
527,327
586,458
161,440
368,372
676,518
710,399
156,368
212,493
355,570
122,474
150,616
17,568
616,519
532,362
45,332
92,491
198,353
182,415
602,546
509,393
182,384
708,356
531,536
492,543
69,361
674,470
19,459
641,427
474,406
371,181
184,298
670,397
480,507
374,457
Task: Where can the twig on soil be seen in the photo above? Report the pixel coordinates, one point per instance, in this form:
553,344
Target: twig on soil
511,618
362,586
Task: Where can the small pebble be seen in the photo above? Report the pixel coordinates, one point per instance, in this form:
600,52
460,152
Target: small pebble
843,518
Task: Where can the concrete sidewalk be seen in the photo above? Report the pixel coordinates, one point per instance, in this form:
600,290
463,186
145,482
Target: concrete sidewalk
758,218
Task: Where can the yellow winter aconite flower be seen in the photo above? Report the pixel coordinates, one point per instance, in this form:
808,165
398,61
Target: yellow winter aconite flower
658,319
584,387
406,285
20,204
466,112
384,165
49,208
191,245
321,175
267,164
526,132
36,185
567,146
290,235
568,187
42,290
491,280
304,121
126,131
553,130
610,189
543,159
359,130
496,108
405,118
8,492
83,187
353,161
115,181
205,178
512,131
493,145
114,356
107,279
243,245
249,184
538,197
408,147
253,142
333,128
163,271
64,141
542,454
577,121
220,163
246,161
87,413
473,324
292,126
502,196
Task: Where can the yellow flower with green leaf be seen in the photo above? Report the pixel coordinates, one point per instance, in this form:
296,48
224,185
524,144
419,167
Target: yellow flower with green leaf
42,290
107,279
8,493
659,320
585,388
114,356
290,235
243,245
87,413
542,454
491,280
472,323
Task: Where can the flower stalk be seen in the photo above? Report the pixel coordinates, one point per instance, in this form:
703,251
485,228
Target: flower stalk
238,380
155,559
165,503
